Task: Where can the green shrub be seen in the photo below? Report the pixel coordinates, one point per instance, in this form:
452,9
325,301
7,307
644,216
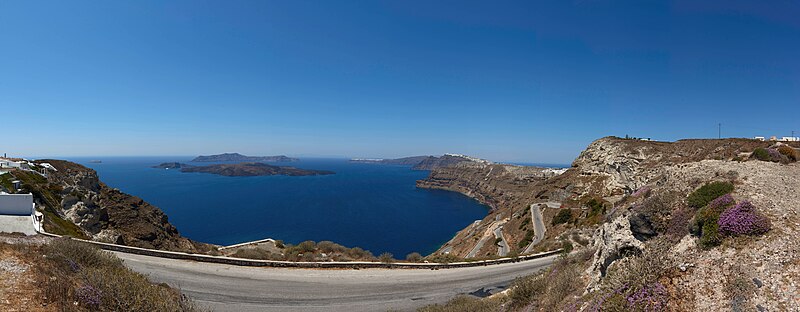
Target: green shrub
526,240
710,236
563,216
567,246
761,154
706,193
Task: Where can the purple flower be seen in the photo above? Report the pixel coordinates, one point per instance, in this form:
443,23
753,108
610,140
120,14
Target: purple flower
642,191
652,297
743,219
89,296
774,154
721,202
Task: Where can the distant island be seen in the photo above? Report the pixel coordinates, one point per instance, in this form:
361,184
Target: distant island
423,162
249,169
242,158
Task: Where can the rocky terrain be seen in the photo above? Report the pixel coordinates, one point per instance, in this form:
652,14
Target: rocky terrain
605,172
76,203
630,215
250,169
236,157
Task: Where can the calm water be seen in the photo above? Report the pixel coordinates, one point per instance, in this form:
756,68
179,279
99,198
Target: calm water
376,207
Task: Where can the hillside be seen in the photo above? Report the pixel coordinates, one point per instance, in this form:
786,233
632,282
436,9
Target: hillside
251,169
76,203
423,162
643,230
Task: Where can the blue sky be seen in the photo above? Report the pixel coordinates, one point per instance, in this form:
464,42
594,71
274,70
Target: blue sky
522,81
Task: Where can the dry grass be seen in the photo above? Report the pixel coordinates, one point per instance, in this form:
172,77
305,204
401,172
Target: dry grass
69,268
467,303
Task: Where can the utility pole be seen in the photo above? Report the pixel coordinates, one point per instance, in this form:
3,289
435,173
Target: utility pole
719,130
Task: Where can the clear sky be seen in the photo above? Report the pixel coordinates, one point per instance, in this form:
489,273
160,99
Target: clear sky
523,81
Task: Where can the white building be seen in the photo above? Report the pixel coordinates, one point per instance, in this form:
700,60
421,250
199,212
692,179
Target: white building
790,139
760,138
16,204
11,164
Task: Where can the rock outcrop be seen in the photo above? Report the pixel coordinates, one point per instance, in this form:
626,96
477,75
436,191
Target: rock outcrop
107,214
613,240
608,169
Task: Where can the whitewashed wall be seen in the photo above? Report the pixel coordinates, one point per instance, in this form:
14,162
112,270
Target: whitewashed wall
16,204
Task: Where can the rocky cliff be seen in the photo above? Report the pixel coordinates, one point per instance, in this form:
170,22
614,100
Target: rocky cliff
75,194
605,172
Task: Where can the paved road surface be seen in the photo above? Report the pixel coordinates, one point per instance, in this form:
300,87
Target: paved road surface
538,226
234,288
503,245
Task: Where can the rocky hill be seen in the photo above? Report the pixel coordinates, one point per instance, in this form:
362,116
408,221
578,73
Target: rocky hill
251,169
423,162
692,225
77,203
605,172
236,157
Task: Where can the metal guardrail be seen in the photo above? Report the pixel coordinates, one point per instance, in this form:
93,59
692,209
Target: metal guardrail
310,265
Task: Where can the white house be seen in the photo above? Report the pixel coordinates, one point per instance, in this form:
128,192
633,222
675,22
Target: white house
5,163
790,139
16,204
760,138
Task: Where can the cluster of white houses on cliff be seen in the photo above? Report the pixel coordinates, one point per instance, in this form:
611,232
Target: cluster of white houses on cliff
781,139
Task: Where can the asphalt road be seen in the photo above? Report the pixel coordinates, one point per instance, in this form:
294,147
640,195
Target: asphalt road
235,288
538,226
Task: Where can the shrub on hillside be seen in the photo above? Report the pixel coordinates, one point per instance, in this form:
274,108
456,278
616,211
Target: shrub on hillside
467,303
414,257
386,257
710,236
761,154
743,219
76,276
652,297
705,221
706,193
563,216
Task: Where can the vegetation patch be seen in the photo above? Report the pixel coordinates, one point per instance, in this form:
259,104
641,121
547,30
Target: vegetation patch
706,193
563,216
743,219
80,277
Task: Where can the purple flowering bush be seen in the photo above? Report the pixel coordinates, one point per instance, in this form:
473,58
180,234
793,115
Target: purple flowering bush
89,296
705,221
743,219
642,191
652,297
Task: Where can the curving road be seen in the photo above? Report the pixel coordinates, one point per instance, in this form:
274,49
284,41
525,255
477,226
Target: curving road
235,288
538,224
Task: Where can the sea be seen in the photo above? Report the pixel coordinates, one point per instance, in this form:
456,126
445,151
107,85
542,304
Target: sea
373,206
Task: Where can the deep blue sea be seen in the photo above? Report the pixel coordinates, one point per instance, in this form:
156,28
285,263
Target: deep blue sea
372,206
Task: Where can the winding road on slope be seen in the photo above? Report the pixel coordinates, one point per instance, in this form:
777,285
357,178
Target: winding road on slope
538,224
235,288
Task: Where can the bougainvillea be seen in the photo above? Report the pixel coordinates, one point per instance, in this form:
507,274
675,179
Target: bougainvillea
89,295
650,298
743,219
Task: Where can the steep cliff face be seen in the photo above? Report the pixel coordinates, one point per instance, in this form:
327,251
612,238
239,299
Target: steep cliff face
76,194
606,171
